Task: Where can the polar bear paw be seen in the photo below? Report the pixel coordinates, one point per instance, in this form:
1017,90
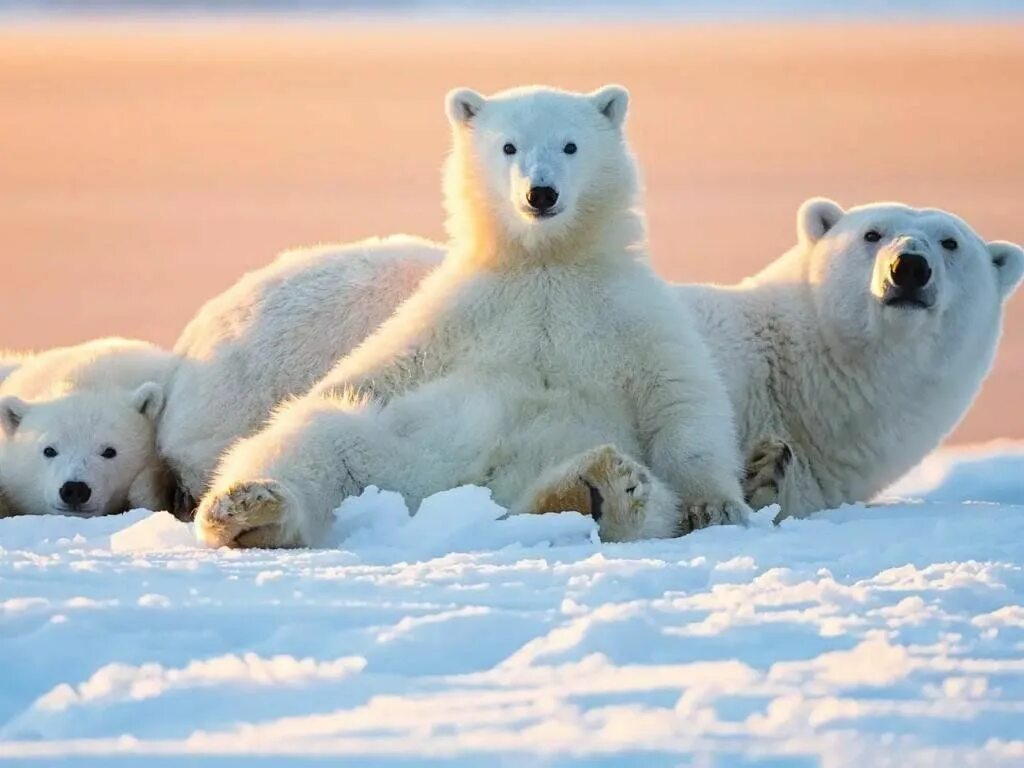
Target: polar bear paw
619,491
249,514
765,471
626,500
705,514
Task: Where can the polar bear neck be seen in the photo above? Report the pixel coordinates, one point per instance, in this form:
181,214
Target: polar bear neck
886,408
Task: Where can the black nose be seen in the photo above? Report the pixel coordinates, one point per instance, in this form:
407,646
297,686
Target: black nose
75,493
542,198
910,271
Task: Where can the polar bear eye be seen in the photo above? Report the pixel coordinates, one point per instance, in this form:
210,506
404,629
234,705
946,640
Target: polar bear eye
50,452
872,236
570,148
509,148
949,244
109,453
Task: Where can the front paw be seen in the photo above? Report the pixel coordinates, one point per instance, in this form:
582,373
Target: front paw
765,471
620,493
249,514
626,501
705,514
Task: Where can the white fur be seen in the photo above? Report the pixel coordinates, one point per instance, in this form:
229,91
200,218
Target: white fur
79,402
9,362
859,390
859,407
273,335
535,340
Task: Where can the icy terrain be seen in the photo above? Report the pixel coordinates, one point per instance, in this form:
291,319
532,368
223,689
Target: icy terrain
868,636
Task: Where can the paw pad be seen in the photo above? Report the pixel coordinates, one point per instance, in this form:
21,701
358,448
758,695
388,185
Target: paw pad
248,514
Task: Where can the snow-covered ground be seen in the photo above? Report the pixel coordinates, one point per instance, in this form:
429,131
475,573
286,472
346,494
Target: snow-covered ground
867,636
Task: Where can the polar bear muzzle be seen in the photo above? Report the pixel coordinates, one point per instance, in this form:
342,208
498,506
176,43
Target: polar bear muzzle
908,284
542,201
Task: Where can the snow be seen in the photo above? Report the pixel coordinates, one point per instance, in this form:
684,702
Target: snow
888,634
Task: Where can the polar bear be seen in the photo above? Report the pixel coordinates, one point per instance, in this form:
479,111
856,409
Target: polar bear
850,357
542,345
78,429
798,362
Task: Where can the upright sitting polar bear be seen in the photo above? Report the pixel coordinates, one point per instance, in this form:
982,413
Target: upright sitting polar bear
78,429
542,340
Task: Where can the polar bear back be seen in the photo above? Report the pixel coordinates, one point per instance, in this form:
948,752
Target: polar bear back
112,363
273,335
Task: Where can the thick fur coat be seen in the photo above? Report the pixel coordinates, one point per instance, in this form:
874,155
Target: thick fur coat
835,394
542,337
852,356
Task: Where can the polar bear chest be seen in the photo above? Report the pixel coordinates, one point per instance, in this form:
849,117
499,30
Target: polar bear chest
546,329
535,378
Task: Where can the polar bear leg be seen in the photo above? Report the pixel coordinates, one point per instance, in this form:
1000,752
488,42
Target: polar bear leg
765,471
280,487
623,496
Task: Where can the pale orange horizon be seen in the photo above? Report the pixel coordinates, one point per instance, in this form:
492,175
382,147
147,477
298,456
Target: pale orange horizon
145,167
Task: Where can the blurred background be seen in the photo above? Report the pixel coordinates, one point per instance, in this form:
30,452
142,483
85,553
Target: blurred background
151,152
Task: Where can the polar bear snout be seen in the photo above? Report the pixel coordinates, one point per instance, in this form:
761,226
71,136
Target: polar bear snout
75,494
910,271
908,282
542,200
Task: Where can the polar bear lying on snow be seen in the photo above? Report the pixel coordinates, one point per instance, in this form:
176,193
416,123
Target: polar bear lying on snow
78,429
542,358
852,356
845,362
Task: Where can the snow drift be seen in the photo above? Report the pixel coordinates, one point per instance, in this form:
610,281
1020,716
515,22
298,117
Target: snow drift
890,634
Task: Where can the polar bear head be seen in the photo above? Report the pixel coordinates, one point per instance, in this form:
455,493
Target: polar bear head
893,275
78,454
532,166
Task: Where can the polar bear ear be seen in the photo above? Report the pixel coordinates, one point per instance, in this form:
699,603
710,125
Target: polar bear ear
612,101
462,105
149,400
1008,259
12,411
816,217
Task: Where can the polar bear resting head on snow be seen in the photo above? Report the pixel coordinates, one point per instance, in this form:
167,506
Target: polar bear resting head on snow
77,429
